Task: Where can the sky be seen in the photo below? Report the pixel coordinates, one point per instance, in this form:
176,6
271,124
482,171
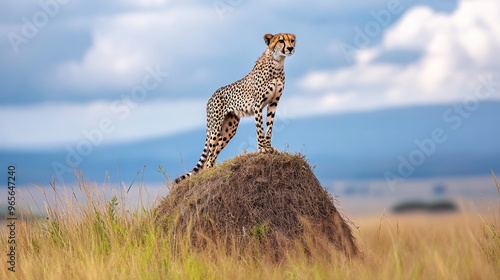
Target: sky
127,71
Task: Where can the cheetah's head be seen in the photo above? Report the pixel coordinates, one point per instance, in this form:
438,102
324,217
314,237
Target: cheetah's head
282,44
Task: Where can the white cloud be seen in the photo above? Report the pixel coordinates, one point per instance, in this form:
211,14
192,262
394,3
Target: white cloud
123,44
148,3
52,125
457,49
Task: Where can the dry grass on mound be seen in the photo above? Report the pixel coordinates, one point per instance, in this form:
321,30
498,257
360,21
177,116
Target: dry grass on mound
271,200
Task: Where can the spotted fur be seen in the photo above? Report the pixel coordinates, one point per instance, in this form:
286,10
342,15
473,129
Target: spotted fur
248,96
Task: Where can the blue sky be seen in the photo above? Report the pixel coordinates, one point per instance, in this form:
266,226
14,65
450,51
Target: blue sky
137,70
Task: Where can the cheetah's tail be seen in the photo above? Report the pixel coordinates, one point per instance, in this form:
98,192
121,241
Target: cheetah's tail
197,168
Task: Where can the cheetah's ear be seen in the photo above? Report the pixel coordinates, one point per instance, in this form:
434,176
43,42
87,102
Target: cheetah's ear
267,38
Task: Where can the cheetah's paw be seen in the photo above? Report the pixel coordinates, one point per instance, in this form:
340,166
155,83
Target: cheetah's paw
268,150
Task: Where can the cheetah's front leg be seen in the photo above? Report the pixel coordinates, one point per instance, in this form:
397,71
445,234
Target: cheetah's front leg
264,141
263,145
271,111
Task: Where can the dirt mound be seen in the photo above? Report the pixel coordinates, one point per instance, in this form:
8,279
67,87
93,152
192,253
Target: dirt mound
273,200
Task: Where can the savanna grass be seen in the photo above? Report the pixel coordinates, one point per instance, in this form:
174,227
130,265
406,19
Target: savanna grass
102,238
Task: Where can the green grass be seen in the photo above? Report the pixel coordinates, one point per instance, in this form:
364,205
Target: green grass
102,239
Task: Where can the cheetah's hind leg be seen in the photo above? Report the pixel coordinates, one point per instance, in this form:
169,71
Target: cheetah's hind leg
229,127
222,138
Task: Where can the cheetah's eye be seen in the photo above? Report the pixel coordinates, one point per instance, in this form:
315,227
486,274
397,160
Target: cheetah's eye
292,41
281,41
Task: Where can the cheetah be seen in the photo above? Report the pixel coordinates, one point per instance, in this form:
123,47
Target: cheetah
248,96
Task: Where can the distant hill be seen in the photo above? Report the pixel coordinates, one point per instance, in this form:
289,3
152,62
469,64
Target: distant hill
345,146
